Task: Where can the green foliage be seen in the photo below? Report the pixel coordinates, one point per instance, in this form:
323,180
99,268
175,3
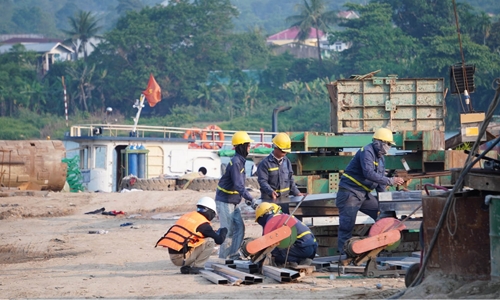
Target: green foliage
212,74
375,42
464,146
180,45
83,27
17,129
313,14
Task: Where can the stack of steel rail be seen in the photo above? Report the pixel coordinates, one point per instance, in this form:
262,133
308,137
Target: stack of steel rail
280,274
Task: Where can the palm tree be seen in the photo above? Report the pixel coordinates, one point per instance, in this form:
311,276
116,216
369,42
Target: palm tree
83,27
313,14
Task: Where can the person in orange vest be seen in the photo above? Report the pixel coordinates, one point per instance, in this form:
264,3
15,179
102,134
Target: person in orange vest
187,240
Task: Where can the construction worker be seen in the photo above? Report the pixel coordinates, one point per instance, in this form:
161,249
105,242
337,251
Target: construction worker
365,173
275,174
230,190
187,240
302,251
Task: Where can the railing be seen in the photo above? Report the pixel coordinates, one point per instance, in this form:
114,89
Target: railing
209,137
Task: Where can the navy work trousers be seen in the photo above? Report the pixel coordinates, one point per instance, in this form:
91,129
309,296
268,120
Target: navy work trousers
349,203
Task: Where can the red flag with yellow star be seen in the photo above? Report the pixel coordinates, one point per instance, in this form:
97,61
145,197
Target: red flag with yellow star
152,92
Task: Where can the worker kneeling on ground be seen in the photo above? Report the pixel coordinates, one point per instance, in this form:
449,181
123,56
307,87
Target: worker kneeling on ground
187,241
365,173
302,251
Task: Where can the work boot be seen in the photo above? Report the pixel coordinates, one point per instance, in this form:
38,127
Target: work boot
195,270
306,262
185,269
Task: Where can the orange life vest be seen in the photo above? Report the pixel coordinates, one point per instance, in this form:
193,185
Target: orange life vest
184,233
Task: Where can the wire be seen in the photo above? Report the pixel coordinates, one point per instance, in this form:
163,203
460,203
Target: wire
450,201
458,94
464,73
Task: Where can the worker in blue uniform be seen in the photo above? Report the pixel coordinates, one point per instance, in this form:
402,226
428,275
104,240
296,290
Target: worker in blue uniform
275,174
230,190
365,173
302,251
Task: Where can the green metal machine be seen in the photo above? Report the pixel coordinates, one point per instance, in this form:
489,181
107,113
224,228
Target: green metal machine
412,108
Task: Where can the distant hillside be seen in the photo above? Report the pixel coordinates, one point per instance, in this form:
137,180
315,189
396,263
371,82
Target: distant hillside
48,17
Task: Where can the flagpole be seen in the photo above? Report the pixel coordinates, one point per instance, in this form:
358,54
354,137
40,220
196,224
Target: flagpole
139,105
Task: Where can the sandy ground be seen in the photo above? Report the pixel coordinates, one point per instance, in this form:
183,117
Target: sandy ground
47,252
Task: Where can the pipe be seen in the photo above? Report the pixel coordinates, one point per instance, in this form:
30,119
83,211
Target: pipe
488,198
276,111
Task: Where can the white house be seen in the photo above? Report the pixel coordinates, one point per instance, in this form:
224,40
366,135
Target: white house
49,52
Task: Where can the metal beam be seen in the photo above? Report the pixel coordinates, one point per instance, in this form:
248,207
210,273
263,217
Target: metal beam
215,278
247,278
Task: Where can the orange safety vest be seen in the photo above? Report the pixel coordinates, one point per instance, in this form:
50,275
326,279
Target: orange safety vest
183,232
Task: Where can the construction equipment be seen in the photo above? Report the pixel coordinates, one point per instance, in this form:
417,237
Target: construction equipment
279,231
385,232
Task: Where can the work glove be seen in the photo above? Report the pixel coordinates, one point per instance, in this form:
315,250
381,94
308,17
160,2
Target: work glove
222,232
255,203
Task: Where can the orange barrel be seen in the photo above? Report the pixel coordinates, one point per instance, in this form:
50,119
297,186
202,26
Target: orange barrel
32,164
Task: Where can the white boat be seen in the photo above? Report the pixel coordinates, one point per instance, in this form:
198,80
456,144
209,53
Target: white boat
107,152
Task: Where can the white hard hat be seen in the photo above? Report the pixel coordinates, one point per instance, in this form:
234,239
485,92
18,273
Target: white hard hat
207,202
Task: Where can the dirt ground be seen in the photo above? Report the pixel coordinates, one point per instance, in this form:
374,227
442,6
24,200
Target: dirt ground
46,251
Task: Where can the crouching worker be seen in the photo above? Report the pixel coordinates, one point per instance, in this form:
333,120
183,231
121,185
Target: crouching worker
188,240
302,251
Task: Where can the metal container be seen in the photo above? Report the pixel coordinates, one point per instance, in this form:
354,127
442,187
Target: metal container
462,247
32,164
363,105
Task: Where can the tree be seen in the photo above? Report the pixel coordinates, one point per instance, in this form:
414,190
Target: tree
493,40
32,20
128,5
69,9
180,44
313,14
375,43
83,27
423,18
17,73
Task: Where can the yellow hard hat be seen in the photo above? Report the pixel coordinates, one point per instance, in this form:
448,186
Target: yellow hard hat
240,137
384,135
263,209
276,208
282,141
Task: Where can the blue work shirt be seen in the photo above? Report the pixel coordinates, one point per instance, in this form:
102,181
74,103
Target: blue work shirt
275,176
366,171
232,184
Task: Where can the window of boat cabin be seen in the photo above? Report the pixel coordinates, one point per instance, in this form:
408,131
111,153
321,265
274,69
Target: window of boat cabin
100,157
84,157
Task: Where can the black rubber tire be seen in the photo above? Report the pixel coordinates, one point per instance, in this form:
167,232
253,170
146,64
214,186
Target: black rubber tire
411,274
210,184
151,184
203,184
